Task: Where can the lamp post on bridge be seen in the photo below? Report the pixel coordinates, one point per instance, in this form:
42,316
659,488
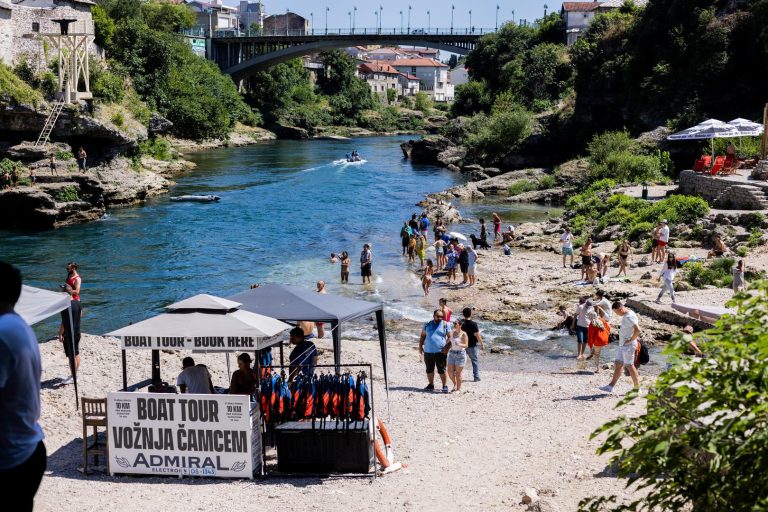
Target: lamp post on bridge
497,17
401,21
470,21
312,17
409,19
453,8
376,13
380,19
354,15
545,10
349,13
513,15
326,19
429,21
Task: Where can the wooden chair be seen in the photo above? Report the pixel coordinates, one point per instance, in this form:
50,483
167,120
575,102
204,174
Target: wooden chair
729,166
94,415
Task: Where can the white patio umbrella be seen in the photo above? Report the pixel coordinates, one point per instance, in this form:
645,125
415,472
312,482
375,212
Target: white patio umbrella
710,129
746,127
457,235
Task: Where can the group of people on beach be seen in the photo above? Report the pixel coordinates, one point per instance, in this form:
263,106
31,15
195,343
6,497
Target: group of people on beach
366,264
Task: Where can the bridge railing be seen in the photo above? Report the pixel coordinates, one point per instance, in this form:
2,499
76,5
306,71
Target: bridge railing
349,31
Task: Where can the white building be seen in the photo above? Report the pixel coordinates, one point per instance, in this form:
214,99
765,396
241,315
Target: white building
385,53
434,78
22,21
251,15
578,15
214,15
459,75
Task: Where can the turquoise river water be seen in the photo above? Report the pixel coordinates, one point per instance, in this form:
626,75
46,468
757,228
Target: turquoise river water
285,207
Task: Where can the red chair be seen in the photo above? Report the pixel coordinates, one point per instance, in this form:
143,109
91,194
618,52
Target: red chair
707,160
717,167
729,166
698,166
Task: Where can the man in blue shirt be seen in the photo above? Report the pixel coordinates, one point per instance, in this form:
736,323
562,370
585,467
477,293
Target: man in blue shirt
433,344
303,357
22,452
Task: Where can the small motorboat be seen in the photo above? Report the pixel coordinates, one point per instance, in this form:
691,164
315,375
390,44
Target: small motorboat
197,199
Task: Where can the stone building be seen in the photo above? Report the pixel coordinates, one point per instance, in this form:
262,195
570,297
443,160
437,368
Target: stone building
22,22
288,24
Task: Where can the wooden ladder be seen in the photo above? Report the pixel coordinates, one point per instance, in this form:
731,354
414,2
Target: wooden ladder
50,123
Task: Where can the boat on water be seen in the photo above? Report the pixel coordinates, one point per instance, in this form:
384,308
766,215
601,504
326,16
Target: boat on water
210,198
353,157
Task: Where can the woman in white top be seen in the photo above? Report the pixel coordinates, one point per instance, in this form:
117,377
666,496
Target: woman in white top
667,276
457,355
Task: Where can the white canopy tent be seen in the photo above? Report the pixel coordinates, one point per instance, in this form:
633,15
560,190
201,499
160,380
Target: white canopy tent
202,323
36,304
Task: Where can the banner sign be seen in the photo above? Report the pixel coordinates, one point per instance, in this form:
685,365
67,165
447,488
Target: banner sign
195,435
200,343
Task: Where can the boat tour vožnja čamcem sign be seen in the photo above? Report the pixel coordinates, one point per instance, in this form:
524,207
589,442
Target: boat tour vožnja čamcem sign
183,435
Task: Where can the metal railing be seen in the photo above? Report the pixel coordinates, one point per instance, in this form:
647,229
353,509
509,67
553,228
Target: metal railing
349,31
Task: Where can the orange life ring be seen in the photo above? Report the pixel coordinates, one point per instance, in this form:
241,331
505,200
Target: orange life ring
380,454
384,433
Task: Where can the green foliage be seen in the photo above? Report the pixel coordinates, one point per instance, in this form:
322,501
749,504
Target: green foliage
8,165
547,181
471,98
104,26
421,101
168,17
754,220
137,107
24,71
746,147
109,87
453,61
15,91
717,273
754,238
521,187
391,95
496,135
615,155
742,251
390,119
156,147
597,208
62,155
272,91
118,119
339,73
700,444
548,74
67,195
49,84
348,106
307,115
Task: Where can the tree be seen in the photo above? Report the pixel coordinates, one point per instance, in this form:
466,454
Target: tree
103,25
391,95
168,17
496,59
271,91
422,102
471,98
340,72
453,61
701,444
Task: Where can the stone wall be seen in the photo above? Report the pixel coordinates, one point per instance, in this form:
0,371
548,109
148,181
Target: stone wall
21,26
723,193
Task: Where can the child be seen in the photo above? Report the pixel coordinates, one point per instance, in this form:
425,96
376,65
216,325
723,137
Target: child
333,257
412,249
426,279
344,267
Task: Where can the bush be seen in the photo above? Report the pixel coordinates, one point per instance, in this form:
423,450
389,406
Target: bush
547,181
700,443
118,119
391,95
521,187
615,155
742,251
67,195
49,84
157,148
754,220
14,90
422,102
499,134
109,87
62,155
717,273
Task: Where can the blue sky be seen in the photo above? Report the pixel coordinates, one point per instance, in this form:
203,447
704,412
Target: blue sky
483,12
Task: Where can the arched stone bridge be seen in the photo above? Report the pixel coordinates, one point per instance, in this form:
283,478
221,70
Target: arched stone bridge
243,55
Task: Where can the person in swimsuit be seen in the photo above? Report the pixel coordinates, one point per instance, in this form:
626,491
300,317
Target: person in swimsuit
412,248
739,283
320,325
483,231
496,227
71,332
405,236
344,267
444,309
450,261
655,234
426,279
421,249
457,355
625,251
440,253
586,257
439,229
718,248
52,164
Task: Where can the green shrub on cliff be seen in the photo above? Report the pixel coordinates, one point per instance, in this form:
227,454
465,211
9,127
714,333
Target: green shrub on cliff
67,195
617,156
15,91
498,134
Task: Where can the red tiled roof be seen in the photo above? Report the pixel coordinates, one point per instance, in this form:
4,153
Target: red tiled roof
378,67
409,77
580,6
422,62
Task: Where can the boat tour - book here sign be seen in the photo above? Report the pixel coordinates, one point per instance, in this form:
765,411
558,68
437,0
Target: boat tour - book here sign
183,435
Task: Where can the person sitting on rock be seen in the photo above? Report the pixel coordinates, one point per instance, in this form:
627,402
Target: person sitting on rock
718,248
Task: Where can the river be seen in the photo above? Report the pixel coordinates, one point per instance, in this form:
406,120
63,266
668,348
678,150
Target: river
285,207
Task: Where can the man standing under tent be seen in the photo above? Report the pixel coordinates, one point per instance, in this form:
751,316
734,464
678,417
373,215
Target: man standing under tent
22,451
194,378
303,358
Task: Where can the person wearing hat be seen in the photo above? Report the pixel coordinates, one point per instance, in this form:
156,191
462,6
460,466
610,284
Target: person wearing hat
303,358
663,240
243,381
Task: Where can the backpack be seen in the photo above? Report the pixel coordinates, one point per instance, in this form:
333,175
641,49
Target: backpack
643,357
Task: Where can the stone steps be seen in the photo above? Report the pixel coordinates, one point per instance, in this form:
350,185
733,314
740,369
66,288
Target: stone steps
745,197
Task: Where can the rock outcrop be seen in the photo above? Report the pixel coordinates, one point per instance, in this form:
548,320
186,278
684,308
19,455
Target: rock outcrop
438,209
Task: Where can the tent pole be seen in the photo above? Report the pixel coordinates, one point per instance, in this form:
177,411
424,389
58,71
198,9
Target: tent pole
336,330
383,344
72,355
125,371
156,367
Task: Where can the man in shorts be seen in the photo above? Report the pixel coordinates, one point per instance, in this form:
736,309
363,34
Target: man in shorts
566,243
475,341
629,337
433,344
655,243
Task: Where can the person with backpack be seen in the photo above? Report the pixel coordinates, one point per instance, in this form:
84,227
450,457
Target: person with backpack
433,344
629,339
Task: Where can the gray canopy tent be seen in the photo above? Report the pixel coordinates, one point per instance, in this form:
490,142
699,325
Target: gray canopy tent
292,304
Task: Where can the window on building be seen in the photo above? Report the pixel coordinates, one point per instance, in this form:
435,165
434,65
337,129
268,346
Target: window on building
35,26
413,69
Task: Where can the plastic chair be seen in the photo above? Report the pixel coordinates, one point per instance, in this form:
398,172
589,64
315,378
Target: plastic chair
94,415
707,160
698,166
729,166
718,165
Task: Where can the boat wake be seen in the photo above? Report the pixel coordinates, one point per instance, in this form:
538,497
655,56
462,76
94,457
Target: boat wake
344,161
